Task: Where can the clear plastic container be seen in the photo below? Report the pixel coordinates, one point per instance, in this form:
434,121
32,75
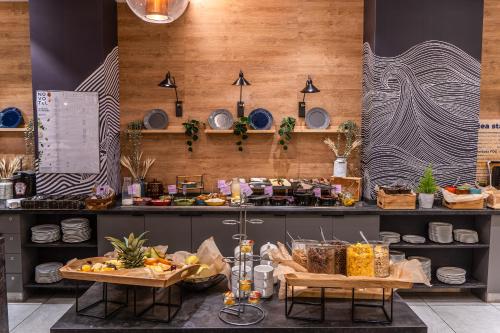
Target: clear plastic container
321,258
340,257
299,250
381,259
360,260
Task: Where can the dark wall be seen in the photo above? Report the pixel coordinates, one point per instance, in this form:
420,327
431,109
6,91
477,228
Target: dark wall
69,40
400,24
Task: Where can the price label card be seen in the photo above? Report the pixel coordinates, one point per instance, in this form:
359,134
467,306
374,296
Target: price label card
336,188
245,189
317,192
172,189
221,183
226,190
130,190
268,190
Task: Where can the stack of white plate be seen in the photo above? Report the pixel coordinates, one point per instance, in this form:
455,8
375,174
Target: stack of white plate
426,265
48,272
45,233
414,239
264,281
390,237
441,232
466,236
75,230
451,275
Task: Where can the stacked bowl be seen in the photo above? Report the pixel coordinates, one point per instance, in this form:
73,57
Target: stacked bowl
451,275
48,272
264,280
390,237
75,230
426,265
466,236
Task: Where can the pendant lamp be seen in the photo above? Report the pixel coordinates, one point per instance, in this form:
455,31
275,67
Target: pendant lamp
158,11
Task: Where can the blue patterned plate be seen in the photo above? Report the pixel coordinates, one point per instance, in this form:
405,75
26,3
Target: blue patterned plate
260,119
10,118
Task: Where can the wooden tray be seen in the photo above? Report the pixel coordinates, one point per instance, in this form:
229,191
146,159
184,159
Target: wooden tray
396,201
474,204
133,277
299,279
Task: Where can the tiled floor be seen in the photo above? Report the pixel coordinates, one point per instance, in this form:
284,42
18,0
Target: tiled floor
459,313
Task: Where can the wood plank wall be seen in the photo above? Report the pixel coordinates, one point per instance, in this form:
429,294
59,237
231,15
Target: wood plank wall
277,46
15,69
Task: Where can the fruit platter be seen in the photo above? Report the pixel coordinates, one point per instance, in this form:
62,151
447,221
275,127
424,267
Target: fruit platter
134,265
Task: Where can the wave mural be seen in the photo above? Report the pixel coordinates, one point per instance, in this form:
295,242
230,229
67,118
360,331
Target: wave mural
419,108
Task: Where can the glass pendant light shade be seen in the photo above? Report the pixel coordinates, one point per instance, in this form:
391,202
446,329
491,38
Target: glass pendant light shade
158,11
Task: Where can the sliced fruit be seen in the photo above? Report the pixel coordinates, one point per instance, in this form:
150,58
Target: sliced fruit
150,261
192,260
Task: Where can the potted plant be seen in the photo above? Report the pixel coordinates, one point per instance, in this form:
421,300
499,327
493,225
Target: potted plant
426,189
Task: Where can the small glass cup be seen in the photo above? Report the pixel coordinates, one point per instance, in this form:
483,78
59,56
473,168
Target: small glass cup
254,297
229,298
245,285
246,246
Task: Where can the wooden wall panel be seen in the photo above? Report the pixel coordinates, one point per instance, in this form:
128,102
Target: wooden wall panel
277,46
490,65
15,69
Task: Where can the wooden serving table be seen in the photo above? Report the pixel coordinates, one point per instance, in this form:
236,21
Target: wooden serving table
136,277
353,283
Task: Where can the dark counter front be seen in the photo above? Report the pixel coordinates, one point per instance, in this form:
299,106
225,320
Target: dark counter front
4,317
199,313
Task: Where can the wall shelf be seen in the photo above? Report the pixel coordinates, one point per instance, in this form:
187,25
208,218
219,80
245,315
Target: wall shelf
436,284
230,131
170,130
59,244
17,129
315,130
432,245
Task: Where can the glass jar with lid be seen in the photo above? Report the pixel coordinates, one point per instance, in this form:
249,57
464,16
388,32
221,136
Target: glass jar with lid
340,257
360,260
299,250
321,258
381,255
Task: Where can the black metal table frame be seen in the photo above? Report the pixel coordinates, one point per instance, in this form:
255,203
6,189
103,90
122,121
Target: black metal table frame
123,304
354,305
169,305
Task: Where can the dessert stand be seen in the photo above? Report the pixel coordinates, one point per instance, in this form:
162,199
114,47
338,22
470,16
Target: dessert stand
242,313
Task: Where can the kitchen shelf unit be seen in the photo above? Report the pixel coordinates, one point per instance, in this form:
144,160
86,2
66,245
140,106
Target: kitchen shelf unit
431,245
62,285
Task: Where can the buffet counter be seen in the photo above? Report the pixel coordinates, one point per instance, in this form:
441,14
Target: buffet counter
185,228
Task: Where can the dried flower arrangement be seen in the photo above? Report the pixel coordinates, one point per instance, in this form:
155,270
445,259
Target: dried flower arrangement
133,161
9,166
350,132
29,144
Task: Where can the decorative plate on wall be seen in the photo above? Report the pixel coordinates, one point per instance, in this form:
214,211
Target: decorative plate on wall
156,119
260,119
10,118
221,119
317,118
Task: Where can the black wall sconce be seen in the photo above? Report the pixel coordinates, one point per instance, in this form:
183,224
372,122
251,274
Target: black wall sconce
170,83
309,89
240,106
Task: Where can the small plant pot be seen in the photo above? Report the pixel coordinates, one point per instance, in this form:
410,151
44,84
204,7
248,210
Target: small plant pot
426,200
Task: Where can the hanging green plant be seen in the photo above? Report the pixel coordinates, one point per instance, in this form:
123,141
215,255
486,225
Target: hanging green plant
241,130
192,128
285,131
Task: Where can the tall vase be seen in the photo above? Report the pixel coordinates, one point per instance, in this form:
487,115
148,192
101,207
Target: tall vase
340,167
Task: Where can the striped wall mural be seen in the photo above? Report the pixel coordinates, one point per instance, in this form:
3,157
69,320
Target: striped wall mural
420,108
105,81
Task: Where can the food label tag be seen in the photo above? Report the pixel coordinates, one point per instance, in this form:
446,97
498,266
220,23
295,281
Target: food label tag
317,192
221,183
268,190
130,190
172,189
336,188
245,189
226,190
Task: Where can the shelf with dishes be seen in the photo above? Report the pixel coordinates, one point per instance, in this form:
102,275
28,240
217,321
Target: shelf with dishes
169,130
316,130
230,131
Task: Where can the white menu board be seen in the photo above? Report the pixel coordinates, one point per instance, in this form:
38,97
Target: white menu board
68,131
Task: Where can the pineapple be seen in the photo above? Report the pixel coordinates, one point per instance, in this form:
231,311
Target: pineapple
130,251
